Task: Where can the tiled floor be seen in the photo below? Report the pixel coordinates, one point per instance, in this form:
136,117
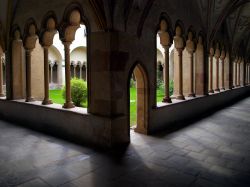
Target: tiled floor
212,152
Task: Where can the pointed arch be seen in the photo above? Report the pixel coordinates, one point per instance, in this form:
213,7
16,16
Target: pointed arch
142,87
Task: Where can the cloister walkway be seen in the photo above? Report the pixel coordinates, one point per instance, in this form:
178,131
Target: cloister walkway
214,151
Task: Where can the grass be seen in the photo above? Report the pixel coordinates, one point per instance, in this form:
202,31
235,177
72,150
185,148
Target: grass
160,96
56,96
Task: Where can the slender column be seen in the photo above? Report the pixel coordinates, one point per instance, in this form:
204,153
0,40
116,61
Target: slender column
68,103
223,56
51,72
238,73
235,73
29,97
80,66
217,75
167,98
74,66
244,72
247,74
1,77
180,95
190,49
211,56
46,100
191,94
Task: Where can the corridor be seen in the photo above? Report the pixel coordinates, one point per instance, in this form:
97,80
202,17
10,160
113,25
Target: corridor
214,151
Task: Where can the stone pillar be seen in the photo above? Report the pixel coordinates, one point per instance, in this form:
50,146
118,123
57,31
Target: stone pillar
222,57
51,72
80,66
29,45
165,42
248,74
211,56
74,66
227,72
217,56
179,45
235,73
200,69
1,75
238,73
243,72
167,98
29,97
46,100
190,50
68,103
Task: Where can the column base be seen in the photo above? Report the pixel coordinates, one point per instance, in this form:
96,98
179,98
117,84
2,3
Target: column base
223,89
47,102
180,97
217,90
167,100
2,95
210,91
69,105
30,99
191,95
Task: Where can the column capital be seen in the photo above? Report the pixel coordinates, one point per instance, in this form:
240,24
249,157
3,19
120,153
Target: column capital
211,52
223,55
67,43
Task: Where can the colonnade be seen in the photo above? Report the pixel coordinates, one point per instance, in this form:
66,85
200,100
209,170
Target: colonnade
195,80
82,70
46,41
219,71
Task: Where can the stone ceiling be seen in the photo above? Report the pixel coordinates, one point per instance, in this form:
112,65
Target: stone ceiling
227,18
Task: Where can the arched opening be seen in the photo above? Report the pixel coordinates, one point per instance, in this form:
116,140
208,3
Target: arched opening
78,57
138,99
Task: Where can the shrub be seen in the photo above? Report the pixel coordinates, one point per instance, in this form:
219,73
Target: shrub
78,91
171,87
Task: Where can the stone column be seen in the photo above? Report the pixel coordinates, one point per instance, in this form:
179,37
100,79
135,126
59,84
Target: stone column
179,45
238,73
222,57
190,49
1,75
46,100
68,103
51,72
165,42
167,98
211,56
29,97
80,66
235,73
74,66
217,56
248,74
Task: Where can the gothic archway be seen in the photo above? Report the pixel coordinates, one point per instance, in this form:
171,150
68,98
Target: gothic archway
141,86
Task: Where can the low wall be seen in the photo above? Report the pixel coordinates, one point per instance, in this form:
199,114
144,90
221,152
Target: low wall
74,126
79,126
166,116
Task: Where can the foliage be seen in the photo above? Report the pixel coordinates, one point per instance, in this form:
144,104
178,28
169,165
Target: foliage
78,91
132,83
171,87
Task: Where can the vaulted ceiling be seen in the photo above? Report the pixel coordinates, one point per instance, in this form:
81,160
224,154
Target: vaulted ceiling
227,19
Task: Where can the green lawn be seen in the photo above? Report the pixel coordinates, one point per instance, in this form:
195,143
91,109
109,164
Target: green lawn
56,96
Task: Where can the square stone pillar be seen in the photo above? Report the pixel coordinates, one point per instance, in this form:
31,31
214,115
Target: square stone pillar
107,82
